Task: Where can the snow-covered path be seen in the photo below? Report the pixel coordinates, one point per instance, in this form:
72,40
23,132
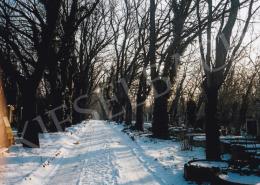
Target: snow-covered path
101,155
97,153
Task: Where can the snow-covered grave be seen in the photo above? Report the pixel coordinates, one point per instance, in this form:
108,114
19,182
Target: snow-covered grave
211,164
227,139
240,179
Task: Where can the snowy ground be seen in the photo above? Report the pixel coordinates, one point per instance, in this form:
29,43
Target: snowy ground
96,152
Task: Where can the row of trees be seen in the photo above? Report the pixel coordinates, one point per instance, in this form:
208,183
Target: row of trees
56,53
39,56
175,26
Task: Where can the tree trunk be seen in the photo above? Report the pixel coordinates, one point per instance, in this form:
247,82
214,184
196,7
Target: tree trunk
212,127
76,94
117,112
245,101
81,85
119,105
174,110
141,96
139,124
30,128
160,118
191,113
57,101
243,111
128,112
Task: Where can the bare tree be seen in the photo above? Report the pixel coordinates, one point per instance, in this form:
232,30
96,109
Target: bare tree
217,68
39,46
27,27
95,36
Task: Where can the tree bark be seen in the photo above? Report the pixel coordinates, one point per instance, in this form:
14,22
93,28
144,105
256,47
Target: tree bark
128,112
117,112
139,124
141,96
57,101
76,94
160,118
140,100
160,121
212,127
191,113
29,127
